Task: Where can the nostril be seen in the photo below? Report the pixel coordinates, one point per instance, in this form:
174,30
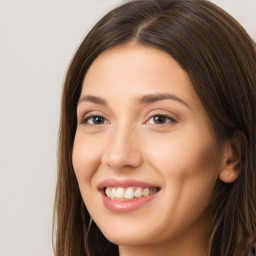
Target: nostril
121,160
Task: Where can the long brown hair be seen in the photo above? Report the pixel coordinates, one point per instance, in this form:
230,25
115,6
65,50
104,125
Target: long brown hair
220,59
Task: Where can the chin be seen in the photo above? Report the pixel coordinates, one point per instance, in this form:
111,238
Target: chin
131,233
123,238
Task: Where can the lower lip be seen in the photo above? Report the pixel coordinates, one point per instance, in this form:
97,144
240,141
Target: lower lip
125,206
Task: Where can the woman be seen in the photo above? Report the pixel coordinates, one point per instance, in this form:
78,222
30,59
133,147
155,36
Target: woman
157,135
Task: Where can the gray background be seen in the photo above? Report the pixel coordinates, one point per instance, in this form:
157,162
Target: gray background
37,41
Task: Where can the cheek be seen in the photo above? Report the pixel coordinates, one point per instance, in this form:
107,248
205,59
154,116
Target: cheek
188,169
187,164
183,152
85,157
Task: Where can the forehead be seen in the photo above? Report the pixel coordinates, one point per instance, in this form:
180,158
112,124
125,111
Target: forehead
136,69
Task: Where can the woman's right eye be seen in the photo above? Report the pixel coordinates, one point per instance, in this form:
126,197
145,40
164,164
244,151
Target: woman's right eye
94,120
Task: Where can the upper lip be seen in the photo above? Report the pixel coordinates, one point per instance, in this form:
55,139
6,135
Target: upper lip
125,183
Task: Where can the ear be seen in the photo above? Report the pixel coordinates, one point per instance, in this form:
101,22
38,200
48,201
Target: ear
231,158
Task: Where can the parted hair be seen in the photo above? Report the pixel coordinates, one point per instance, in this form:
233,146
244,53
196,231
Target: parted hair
220,58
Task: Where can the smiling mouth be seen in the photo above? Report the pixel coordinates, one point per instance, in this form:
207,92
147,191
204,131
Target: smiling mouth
126,195
129,193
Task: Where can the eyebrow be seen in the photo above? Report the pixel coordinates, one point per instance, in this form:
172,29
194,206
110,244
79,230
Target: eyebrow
157,97
147,99
93,99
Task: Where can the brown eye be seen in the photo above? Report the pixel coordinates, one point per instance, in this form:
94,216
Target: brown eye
160,119
95,120
98,120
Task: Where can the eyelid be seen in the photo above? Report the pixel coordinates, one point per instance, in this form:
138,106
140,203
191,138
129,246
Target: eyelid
160,112
170,122
163,115
91,114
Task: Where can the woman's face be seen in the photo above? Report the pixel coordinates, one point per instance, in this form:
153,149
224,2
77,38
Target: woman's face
143,149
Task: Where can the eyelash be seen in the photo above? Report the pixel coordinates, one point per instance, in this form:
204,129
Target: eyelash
86,120
171,120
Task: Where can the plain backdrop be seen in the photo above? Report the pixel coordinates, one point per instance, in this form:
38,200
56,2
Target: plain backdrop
37,41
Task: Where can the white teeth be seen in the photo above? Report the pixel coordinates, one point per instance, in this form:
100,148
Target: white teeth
145,192
138,193
128,193
113,193
120,193
108,192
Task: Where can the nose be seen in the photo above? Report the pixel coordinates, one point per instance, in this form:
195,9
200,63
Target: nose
122,150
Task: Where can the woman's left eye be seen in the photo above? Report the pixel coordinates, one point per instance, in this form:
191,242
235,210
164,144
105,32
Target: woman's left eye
161,119
95,120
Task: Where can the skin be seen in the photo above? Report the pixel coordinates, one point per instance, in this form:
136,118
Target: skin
176,155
